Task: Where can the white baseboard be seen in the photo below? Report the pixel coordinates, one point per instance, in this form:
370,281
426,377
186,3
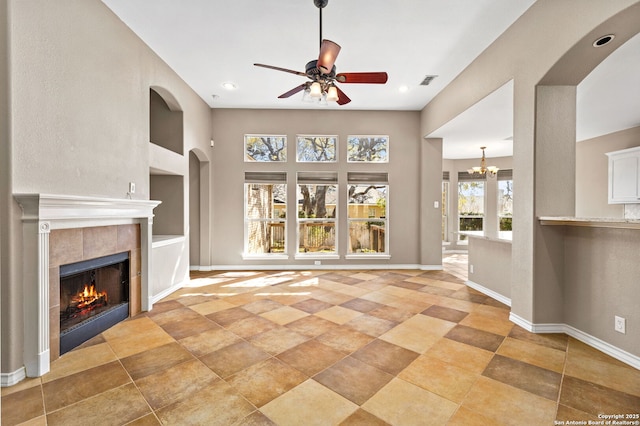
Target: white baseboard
307,267
494,295
602,346
10,379
165,293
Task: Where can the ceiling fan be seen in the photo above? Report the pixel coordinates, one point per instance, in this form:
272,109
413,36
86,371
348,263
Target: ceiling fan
322,72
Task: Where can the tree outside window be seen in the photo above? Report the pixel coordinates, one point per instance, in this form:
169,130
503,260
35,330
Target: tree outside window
505,207
367,218
265,148
368,149
317,205
265,218
470,208
316,149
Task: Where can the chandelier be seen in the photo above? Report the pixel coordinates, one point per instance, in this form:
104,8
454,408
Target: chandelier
483,169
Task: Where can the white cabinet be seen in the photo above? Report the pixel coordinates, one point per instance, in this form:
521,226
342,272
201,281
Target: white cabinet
624,176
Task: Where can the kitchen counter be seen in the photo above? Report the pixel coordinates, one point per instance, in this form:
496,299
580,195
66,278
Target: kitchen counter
593,222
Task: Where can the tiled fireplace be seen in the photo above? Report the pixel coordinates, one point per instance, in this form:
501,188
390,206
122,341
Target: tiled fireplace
69,247
61,230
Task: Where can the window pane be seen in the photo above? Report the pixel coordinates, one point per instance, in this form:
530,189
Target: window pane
316,201
505,208
471,198
445,209
371,149
367,201
367,236
367,213
316,148
316,218
265,211
317,236
470,208
505,198
265,148
265,237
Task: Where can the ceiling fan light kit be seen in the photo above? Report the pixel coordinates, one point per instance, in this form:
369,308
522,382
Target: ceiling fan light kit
322,73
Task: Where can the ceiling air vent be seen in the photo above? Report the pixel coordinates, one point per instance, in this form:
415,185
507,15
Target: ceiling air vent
428,79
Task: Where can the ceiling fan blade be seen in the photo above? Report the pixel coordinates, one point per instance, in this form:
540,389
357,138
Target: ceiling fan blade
342,98
271,67
328,54
362,77
293,91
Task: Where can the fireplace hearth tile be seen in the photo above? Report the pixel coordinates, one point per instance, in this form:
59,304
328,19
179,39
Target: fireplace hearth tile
136,335
80,359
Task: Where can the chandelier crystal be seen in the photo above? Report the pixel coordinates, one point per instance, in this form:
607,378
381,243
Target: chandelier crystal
483,169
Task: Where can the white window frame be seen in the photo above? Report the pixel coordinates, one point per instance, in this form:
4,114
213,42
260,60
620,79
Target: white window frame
366,179
484,210
335,148
369,136
267,178
317,178
244,153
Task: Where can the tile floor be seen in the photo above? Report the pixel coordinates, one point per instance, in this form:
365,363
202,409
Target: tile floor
325,348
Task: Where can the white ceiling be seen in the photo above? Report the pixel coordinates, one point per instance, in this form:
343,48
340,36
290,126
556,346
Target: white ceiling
210,42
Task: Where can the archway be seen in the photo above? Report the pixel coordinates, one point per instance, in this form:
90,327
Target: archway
199,209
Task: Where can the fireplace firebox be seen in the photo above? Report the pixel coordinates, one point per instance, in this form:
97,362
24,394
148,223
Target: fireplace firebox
94,296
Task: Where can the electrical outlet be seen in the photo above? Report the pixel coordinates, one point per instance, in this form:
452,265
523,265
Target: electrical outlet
471,269
317,262
132,188
436,204
620,325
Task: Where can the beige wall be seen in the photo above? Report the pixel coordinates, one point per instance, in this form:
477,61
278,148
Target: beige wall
601,281
79,100
229,128
592,173
491,263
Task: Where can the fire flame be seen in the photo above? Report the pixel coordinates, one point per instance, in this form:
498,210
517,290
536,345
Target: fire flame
88,296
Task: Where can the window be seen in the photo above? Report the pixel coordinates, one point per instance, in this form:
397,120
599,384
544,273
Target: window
367,195
470,205
265,197
317,197
505,203
316,148
445,205
368,149
265,148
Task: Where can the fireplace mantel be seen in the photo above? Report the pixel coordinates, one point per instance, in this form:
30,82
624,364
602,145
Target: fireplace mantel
68,210
45,212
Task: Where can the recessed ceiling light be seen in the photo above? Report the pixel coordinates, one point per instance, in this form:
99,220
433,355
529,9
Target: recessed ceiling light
229,85
606,39
403,88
